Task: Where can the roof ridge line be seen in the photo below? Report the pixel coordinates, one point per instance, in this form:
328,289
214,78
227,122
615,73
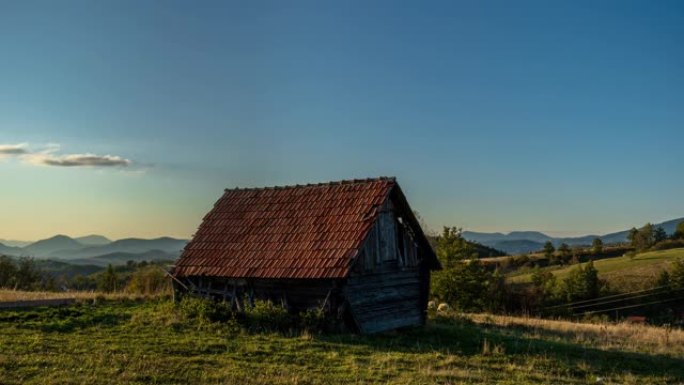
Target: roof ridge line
320,184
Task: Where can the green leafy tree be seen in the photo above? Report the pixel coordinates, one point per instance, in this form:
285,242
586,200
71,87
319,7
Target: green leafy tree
27,276
679,231
564,253
677,274
148,280
109,281
576,253
582,283
633,236
496,291
645,237
597,246
659,235
8,271
452,248
464,286
549,251
544,286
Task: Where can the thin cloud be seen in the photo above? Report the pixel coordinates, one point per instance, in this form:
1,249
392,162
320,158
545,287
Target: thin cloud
13,149
84,160
49,155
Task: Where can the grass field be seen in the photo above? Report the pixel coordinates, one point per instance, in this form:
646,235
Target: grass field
623,274
150,342
19,295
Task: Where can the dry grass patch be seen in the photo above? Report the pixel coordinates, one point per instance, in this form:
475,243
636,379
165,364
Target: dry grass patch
18,295
605,336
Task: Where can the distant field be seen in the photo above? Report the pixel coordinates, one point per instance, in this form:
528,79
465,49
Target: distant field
150,342
18,295
621,273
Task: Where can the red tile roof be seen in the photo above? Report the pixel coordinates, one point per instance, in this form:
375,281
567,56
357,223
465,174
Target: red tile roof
309,231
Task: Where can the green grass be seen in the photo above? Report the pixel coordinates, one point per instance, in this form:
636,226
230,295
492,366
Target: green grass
150,342
622,273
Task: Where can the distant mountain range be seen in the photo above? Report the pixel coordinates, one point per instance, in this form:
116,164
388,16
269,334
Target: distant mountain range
518,242
98,250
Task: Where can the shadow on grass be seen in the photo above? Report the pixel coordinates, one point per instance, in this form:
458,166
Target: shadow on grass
469,339
64,319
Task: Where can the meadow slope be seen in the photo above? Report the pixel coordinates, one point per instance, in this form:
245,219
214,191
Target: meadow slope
621,273
150,341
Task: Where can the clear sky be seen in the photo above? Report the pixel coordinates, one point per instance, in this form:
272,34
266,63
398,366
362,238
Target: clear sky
128,118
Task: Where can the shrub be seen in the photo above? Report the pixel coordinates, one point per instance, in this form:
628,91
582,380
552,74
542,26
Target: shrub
204,311
148,280
521,260
582,283
677,274
465,286
266,316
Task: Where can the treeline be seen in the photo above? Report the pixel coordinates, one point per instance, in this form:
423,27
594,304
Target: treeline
135,277
650,237
646,238
468,285
24,274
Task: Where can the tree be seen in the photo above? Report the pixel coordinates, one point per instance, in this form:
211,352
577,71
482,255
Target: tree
544,286
597,246
452,248
582,283
549,250
677,274
148,280
632,236
646,236
27,276
643,238
679,231
659,235
576,253
565,253
109,281
8,270
464,286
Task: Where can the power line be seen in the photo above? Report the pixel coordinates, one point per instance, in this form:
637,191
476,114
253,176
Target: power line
606,297
630,306
624,299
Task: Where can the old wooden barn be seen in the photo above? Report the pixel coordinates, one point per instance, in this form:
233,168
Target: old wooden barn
353,248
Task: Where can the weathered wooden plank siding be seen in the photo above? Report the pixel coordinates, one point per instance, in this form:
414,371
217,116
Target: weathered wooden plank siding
385,289
385,301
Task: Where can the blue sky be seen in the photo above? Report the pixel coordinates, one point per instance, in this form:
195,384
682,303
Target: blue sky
563,117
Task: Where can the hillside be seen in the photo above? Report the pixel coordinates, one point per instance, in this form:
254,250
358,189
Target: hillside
45,247
518,246
58,268
93,240
519,242
10,250
129,245
622,273
129,342
98,250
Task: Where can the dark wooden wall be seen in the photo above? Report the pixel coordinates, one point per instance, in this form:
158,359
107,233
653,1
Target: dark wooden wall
387,287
